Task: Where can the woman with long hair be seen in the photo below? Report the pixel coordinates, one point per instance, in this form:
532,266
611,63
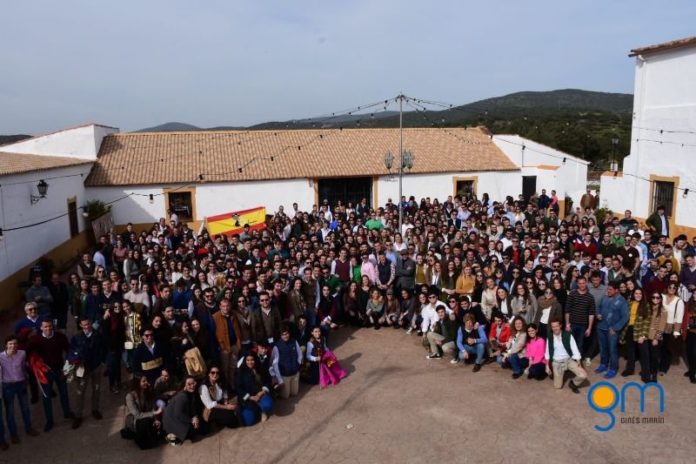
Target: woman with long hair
113,329
637,304
182,416
648,332
449,280
673,345
253,385
218,409
391,309
524,303
504,303
535,351
548,309
515,356
375,309
142,420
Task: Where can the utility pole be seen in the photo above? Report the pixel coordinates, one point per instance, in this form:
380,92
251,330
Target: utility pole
401,159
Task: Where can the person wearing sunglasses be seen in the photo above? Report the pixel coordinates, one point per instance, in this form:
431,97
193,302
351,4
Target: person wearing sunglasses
218,409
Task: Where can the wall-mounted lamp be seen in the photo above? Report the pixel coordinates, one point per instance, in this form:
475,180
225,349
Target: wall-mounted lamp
42,188
152,198
686,192
1,235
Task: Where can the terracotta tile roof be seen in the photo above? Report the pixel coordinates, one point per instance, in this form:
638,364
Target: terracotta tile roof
181,157
679,43
17,163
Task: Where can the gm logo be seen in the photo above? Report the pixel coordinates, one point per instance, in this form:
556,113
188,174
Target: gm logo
603,397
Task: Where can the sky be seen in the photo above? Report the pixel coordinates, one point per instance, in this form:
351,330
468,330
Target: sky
135,64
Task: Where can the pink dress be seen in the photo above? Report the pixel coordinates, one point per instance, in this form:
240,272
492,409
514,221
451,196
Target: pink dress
330,371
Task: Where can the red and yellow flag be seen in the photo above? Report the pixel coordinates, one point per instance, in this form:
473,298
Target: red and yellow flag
234,222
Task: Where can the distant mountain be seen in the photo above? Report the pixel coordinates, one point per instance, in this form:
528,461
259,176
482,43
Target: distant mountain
8,139
578,122
171,127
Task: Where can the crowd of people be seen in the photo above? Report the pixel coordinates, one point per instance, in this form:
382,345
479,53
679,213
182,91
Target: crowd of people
212,330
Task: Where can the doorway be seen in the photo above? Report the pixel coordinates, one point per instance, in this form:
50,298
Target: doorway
349,189
528,186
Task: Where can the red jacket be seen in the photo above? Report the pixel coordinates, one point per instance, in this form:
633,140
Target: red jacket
504,333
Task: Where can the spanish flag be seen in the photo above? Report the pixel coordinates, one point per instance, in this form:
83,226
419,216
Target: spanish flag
234,222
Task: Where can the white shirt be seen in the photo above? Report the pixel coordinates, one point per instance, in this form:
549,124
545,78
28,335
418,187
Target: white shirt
275,359
429,315
559,351
663,219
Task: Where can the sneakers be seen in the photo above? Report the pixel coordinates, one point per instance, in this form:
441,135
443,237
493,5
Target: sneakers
172,440
434,356
600,369
264,417
454,361
477,367
409,331
610,374
587,362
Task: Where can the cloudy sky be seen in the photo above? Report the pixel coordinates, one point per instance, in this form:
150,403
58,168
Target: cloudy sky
134,64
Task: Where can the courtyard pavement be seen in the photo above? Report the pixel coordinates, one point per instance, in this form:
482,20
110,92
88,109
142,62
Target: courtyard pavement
397,406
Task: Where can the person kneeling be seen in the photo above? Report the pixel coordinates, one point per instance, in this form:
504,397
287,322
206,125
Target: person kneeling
441,337
472,340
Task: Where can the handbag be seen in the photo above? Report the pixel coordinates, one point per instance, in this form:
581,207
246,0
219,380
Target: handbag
194,362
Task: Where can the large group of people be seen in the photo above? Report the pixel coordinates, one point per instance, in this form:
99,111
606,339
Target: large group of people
211,331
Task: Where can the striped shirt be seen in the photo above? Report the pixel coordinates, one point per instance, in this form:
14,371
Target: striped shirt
580,307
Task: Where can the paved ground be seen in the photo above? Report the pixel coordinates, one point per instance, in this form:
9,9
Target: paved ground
396,406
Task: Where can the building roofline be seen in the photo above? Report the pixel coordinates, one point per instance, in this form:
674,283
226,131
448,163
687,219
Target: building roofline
79,126
567,155
671,45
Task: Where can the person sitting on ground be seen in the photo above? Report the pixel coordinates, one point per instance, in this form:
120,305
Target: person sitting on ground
392,310
375,309
535,350
498,335
472,340
253,392
182,416
165,388
217,407
515,354
142,416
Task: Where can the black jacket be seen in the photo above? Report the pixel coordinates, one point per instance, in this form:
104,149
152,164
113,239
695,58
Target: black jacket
90,350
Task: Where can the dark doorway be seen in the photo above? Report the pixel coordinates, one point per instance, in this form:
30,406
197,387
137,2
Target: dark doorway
528,186
350,189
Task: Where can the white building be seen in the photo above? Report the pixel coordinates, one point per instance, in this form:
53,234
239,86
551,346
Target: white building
660,167
203,174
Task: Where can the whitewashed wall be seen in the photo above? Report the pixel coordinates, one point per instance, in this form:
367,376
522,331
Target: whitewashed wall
664,99
22,247
496,184
131,204
81,142
569,179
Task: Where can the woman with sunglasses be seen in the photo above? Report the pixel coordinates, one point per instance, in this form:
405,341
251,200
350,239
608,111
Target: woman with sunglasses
673,345
142,420
548,309
648,331
218,409
637,304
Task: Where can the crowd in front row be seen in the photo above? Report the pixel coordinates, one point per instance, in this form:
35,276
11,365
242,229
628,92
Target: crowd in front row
212,330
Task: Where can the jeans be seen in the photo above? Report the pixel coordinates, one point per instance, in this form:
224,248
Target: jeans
608,349
2,426
578,332
249,413
59,380
311,314
113,368
9,391
517,363
478,349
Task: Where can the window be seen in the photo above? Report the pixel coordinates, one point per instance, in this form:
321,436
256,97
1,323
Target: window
72,217
663,195
465,188
181,203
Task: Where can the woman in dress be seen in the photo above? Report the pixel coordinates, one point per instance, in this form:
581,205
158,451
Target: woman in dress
253,385
324,368
142,416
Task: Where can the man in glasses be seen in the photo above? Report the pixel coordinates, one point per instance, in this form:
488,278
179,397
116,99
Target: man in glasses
148,359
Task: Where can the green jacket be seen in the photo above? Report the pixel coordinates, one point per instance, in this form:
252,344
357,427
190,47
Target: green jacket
446,328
